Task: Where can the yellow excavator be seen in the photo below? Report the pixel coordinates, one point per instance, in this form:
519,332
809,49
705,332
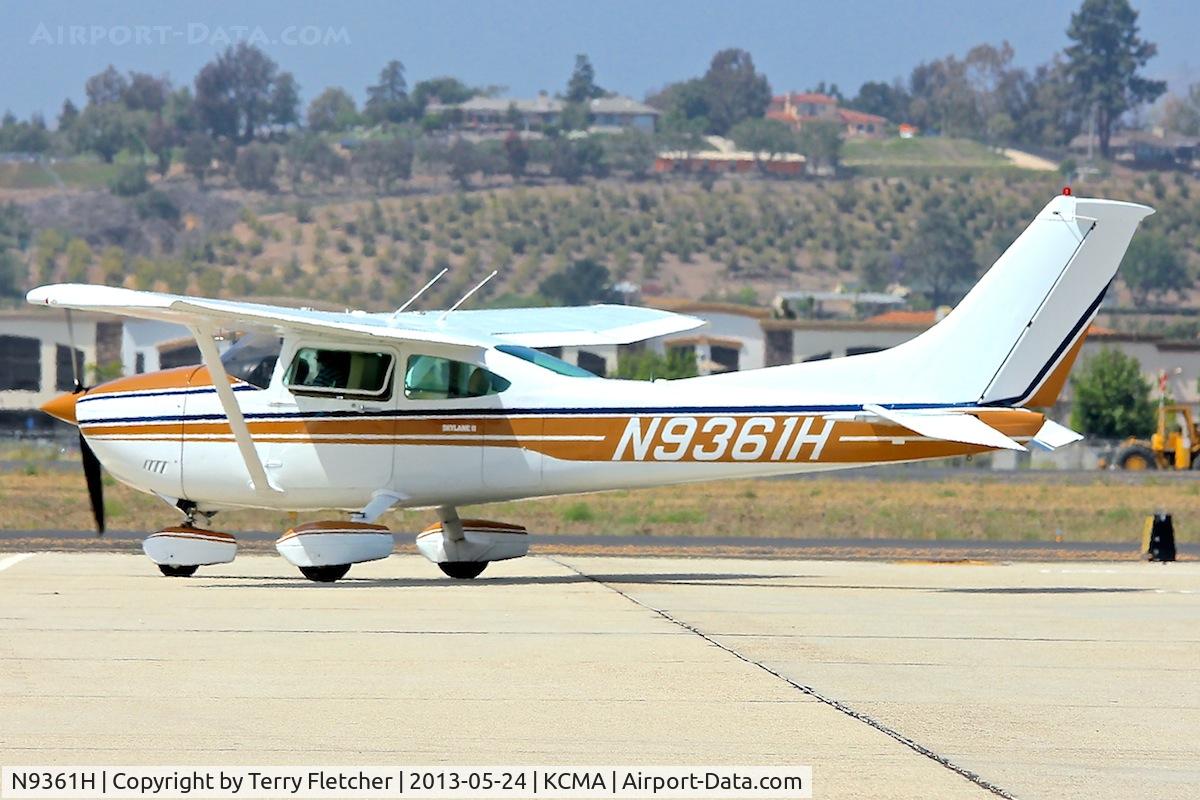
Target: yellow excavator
1174,445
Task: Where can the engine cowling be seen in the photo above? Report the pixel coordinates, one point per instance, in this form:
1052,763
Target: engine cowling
322,544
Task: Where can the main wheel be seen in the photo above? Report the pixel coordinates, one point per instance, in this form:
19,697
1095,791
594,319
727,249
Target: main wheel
1136,457
327,574
463,570
175,571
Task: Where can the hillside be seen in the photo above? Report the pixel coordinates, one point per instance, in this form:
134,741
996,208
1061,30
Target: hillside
741,240
894,155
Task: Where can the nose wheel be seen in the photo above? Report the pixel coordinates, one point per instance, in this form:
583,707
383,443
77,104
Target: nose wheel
178,571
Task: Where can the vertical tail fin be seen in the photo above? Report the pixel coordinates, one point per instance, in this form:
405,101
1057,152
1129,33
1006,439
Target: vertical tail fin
1002,343
1005,341
1048,314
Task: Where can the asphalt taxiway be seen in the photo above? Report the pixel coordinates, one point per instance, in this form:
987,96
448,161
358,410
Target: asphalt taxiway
892,679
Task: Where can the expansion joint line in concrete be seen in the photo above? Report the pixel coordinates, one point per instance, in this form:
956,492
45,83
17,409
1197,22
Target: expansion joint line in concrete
916,747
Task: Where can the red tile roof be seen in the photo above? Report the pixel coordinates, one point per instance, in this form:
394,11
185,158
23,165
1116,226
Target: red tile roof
852,117
898,317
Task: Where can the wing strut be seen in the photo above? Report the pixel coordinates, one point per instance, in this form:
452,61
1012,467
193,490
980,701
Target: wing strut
237,423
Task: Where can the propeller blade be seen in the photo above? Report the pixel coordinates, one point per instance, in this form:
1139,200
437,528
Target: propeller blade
95,486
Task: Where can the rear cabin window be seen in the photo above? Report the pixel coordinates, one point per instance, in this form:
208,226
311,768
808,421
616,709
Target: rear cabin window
434,378
340,372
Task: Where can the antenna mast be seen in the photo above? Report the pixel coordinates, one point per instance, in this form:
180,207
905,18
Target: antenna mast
463,299
420,292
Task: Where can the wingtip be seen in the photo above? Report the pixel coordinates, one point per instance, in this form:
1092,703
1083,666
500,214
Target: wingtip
39,296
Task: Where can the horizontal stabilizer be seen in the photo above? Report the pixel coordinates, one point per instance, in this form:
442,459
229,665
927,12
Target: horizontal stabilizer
1052,436
947,426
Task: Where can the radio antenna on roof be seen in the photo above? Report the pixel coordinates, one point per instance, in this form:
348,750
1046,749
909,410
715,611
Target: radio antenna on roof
463,299
420,292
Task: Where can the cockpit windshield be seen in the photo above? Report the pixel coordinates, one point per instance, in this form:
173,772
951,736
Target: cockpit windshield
545,361
252,358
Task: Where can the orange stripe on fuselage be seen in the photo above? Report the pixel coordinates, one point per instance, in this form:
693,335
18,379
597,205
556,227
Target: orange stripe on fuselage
190,377
650,438
177,378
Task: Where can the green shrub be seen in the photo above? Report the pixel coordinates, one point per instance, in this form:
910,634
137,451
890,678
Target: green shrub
578,512
130,181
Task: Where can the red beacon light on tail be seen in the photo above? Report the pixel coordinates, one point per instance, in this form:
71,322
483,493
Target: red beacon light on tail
1066,191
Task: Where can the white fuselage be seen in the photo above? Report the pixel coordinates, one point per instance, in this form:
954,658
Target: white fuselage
544,435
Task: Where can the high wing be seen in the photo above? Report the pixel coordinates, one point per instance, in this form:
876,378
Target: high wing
194,312
474,329
573,326
532,327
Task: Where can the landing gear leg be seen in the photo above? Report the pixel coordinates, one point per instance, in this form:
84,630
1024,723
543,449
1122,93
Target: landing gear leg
452,529
189,511
452,524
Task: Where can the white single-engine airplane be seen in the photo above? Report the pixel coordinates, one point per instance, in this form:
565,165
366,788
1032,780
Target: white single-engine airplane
367,412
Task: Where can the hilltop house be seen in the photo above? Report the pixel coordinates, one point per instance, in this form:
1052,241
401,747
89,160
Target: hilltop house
1154,148
799,108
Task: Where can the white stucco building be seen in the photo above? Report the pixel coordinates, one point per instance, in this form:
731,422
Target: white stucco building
35,355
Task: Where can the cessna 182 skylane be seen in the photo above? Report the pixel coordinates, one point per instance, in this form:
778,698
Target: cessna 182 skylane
367,412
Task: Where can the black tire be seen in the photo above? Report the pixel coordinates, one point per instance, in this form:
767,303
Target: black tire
327,574
463,570
1136,457
175,571
1196,462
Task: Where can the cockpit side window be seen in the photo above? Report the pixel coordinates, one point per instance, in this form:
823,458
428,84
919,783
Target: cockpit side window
434,378
340,372
252,358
